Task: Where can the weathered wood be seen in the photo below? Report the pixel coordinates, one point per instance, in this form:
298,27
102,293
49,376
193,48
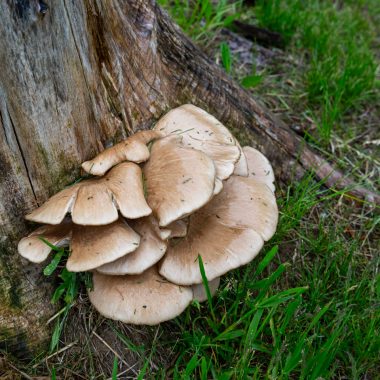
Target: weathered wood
83,75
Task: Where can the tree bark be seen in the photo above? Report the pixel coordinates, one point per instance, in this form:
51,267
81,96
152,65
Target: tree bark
79,77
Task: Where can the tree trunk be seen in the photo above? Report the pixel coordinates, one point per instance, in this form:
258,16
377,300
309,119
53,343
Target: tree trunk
79,77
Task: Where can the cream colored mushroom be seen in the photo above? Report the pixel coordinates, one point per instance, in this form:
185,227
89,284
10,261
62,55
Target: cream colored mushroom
203,132
90,247
33,248
178,180
133,149
145,299
227,233
152,248
259,167
94,246
96,201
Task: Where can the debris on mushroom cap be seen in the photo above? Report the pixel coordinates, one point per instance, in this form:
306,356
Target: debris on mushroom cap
134,149
199,291
241,166
259,167
94,246
152,248
178,180
145,299
33,248
203,132
95,201
227,233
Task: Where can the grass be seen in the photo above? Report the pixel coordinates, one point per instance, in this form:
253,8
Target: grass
336,38
308,306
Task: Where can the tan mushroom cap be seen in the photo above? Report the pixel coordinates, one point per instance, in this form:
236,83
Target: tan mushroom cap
178,228
134,149
178,180
94,246
36,250
241,166
95,201
203,132
152,248
259,167
145,299
227,233
199,291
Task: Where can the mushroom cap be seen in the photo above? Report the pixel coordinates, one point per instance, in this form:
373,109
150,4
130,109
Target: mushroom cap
134,149
152,248
227,233
95,201
178,228
199,291
94,246
241,166
259,167
174,188
145,299
35,250
203,132
90,247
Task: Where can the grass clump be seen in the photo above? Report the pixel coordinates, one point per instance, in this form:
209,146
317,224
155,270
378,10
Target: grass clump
200,19
336,38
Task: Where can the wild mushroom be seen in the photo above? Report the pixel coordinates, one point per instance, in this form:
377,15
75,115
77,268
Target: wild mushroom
147,298
90,246
95,201
178,180
203,132
152,248
134,149
205,196
228,232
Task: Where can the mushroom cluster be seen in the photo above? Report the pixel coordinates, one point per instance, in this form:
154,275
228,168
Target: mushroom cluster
156,202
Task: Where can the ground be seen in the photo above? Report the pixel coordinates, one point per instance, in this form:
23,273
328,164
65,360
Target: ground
308,306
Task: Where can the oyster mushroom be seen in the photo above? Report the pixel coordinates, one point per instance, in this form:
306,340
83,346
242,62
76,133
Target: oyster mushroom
96,201
134,149
152,248
144,299
178,180
227,233
90,247
203,132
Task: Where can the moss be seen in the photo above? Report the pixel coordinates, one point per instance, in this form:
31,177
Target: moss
9,279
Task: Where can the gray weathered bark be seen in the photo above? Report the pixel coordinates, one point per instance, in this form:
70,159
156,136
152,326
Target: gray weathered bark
85,74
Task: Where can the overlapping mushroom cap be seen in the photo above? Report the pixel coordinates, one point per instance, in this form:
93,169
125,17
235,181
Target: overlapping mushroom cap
162,199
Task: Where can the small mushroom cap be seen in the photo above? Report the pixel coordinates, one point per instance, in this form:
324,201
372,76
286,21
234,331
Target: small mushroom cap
227,233
94,246
199,291
203,132
152,248
178,228
37,251
95,201
259,167
134,149
241,166
145,299
178,180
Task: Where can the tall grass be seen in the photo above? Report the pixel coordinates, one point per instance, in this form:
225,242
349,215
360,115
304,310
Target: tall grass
337,39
